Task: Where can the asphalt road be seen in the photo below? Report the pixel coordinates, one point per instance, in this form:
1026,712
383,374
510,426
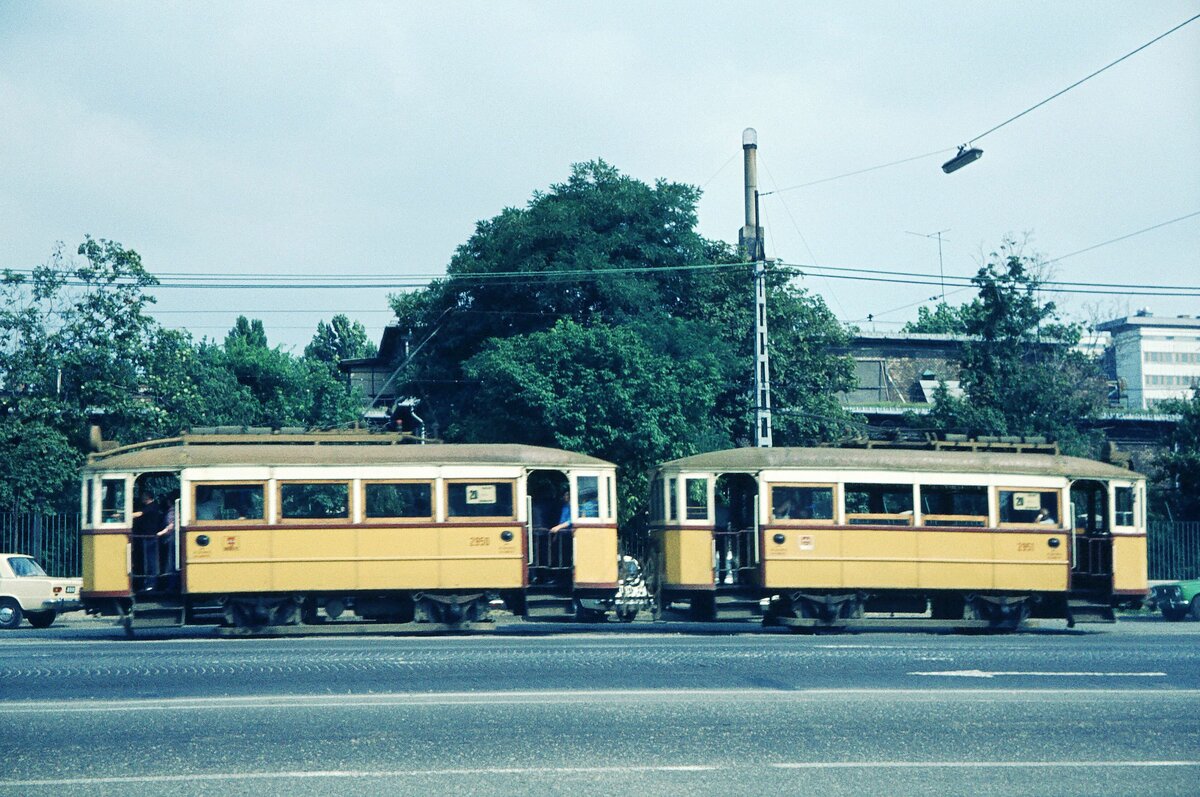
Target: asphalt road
1109,711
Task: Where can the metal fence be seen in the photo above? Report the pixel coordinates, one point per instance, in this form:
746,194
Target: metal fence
51,539
1173,550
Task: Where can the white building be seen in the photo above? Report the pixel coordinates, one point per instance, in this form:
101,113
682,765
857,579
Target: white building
1157,358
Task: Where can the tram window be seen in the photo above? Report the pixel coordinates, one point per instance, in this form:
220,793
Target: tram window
89,508
656,500
790,502
228,502
480,499
112,501
1029,507
1123,500
587,491
697,499
949,505
879,504
399,499
608,491
673,499
314,500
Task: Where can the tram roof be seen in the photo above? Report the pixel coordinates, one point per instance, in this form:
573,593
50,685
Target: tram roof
190,451
756,459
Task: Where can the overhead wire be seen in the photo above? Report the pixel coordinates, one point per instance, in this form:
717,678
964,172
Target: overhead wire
1084,80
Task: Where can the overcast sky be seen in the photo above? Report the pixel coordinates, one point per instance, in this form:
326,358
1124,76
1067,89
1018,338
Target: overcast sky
310,139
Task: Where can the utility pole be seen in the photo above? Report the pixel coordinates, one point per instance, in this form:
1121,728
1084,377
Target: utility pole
750,239
941,267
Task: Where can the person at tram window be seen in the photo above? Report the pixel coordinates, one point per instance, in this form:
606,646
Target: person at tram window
1045,518
564,513
210,508
147,521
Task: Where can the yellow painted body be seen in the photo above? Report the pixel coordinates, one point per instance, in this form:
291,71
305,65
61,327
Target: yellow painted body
595,555
687,557
291,559
1129,564
105,563
835,558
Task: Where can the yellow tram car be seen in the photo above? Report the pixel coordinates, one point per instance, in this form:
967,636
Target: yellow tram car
826,537
273,529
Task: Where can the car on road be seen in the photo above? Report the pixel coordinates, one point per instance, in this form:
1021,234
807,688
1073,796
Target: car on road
1178,600
27,592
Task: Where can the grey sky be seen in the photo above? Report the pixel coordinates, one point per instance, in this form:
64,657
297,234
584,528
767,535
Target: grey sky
369,138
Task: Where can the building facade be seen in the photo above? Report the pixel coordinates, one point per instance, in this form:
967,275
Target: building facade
1155,358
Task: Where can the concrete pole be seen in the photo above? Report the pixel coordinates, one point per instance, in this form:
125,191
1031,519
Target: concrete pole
750,240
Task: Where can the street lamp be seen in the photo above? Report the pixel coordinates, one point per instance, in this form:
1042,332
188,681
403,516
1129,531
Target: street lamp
963,157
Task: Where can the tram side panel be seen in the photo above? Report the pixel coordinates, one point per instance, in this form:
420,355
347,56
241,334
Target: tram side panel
353,559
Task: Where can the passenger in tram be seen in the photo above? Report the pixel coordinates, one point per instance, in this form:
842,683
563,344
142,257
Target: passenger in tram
147,520
1045,518
564,513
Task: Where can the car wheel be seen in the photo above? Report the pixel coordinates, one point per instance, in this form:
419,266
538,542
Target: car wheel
10,613
41,619
1173,615
1195,608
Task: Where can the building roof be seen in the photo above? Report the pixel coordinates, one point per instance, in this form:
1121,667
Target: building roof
834,459
1136,321
330,448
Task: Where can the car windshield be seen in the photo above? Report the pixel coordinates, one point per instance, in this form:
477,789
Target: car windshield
24,566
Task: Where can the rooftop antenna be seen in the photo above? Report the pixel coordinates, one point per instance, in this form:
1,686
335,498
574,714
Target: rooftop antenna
941,267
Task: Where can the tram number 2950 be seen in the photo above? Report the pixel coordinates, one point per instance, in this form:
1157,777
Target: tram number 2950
480,541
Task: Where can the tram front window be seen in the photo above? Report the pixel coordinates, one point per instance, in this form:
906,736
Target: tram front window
588,490
112,501
879,504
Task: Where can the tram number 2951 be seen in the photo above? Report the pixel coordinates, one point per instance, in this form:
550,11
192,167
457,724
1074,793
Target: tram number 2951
480,541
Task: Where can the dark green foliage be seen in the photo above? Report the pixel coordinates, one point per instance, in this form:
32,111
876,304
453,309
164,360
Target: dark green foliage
582,321
77,346
944,319
1179,465
1020,374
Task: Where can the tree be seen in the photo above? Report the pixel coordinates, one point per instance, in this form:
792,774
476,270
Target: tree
595,389
1020,374
1179,464
944,319
604,273
340,339
603,248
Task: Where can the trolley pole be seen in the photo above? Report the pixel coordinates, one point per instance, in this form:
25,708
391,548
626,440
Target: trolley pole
750,239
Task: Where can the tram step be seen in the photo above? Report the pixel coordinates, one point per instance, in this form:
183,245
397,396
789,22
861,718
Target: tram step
157,616
549,606
737,607
1086,612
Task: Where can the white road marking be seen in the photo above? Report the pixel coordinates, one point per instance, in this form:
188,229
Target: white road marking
1046,674
551,697
976,764
500,771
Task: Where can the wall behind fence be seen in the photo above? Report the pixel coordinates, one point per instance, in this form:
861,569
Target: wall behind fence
51,539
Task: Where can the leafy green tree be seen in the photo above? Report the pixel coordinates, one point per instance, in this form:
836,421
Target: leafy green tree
340,339
603,249
1020,373
1179,464
39,467
944,319
597,389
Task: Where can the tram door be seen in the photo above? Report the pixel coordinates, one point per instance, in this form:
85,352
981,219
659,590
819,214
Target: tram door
735,535
154,554
551,555
1091,560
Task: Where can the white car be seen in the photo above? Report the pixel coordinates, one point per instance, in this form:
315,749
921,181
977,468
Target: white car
26,591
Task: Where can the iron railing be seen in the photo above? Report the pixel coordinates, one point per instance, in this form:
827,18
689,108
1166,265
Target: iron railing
1173,550
51,539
